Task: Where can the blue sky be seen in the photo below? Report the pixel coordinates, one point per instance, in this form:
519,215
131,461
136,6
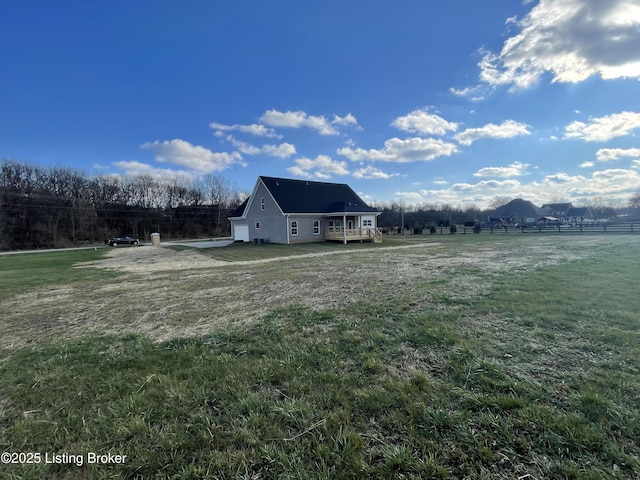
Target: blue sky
454,102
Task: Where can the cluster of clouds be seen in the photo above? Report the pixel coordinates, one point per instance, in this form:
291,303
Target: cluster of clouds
422,145
616,183
564,41
569,40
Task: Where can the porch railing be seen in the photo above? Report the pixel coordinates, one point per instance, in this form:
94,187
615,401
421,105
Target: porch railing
353,234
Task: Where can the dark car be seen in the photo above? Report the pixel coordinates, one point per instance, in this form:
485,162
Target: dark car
115,241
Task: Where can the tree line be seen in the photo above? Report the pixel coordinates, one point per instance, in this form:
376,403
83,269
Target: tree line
52,207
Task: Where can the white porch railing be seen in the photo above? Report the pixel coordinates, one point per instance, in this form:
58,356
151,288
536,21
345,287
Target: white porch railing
351,234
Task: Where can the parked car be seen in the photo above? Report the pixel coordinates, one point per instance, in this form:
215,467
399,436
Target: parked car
115,241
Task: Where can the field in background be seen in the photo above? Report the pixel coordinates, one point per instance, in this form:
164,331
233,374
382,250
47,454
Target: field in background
438,357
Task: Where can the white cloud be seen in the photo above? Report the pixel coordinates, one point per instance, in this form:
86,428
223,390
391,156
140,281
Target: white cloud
474,93
587,164
500,185
402,151
514,170
369,173
507,129
562,178
604,128
133,168
243,147
600,183
193,157
298,119
611,154
425,123
571,40
612,184
412,197
284,150
613,180
254,129
347,120
323,167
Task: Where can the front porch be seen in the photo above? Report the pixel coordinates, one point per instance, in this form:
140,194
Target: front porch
353,234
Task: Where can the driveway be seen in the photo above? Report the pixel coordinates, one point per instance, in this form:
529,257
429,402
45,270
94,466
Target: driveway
208,244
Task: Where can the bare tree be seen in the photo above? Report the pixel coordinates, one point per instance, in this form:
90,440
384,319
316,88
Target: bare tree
218,191
603,208
53,207
498,201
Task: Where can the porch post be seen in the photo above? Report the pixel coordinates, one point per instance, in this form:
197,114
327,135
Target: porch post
344,227
287,222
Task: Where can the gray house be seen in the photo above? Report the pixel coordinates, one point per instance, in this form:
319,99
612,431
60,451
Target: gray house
282,210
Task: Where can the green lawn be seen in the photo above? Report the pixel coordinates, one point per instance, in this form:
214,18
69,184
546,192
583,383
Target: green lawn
537,375
24,272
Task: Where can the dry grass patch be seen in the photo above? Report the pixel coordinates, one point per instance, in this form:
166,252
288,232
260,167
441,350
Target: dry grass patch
470,359
165,293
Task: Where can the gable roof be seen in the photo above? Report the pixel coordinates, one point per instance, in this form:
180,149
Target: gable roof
240,210
519,208
558,207
580,212
302,196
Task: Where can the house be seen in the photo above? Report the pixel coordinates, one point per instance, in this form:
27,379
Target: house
281,210
558,210
580,215
567,213
522,212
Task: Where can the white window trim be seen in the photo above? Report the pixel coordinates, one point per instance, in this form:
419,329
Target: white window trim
294,226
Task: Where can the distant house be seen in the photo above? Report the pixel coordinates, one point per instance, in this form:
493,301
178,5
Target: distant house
558,210
580,215
281,210
522,212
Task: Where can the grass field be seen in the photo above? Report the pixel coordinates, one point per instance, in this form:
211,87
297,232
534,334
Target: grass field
452,357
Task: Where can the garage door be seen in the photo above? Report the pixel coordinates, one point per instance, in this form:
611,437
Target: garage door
241,232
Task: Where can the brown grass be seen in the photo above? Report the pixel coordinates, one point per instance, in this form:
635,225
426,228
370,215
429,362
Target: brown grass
167,293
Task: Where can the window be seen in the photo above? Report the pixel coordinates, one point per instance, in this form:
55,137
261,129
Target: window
367,223
316,227
257,225
294,228
262,203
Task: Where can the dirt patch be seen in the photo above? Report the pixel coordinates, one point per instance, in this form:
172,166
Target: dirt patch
167,293
152,259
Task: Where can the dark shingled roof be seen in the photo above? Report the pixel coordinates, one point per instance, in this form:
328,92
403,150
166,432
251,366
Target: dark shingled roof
518,209
240,210
302,196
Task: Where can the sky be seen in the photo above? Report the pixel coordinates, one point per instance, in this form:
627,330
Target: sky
458,102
